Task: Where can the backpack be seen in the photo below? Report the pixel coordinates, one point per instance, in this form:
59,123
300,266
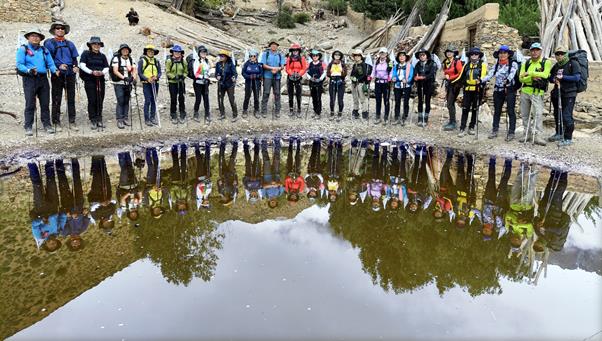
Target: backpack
113,75
517,84
57,47
190,64
265,55
145,60
173,62
580,56
44,50
542,84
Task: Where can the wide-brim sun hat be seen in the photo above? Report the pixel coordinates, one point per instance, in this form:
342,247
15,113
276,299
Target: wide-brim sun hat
59,23
35,31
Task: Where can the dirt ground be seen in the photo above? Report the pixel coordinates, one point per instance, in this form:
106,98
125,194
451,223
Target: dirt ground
89,18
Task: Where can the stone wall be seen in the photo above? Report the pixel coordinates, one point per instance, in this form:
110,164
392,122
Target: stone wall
37,11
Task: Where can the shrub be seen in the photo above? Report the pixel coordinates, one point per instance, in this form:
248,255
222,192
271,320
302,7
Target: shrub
338,7
285,20
301,18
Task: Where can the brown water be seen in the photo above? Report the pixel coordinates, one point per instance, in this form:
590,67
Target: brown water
303,270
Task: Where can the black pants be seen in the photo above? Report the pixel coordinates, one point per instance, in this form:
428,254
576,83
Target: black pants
499,98
336,90
271,169
294,164
176,96
123,93
501,195
179,172
294,92
470,103
381,92
315,89
464,179
36,87
553,194
221,93
419,176
446,183
203,160
45,201
566,127
100,188
424,90
379,163
95,91
127,175
402,94
201,94
230,166
252,87
453,90
335,159
314,165
59,83
252,167
153,175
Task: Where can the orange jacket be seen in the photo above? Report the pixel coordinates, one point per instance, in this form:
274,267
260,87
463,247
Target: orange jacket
296,66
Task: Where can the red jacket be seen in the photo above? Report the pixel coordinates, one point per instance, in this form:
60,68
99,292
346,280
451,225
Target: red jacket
299,66
296,186
453,69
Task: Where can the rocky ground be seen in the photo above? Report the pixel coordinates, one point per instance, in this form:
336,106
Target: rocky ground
91,18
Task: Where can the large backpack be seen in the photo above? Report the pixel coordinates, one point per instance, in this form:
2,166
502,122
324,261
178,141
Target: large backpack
517,84
580,56
113,75
190,64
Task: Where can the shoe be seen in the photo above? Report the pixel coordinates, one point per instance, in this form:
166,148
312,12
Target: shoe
331,118
510,137
450,126
28,132
365,115
182,120
539,141
299,113
264,115
471,131
99,124
291,113
207,120
555,138
421,124
355,114
50,130
377,121
256,114
526,138
93,126
565,143
403,123
174,120
222,117
492,135
73,126
125,121
244,115
148,123
339,117
462,133
313,116
120,124
196,117
234,119
395,122
155,122
57,127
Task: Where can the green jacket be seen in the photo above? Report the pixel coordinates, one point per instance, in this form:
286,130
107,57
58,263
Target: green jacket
535,71
176,70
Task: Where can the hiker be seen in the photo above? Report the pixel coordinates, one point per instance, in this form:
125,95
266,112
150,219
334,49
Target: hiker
94,65
33,62
203,186
124,76
314,181
424,76
316,73
465,190
495,201
534,74
452,70
402,76
444,200
472,75
356,184
155,195
504,90
377,187
72,203
396,190
225,72
335,163
336,72
179,193
100,196
417,186
273,63
44,214
565,75
272,186
198,70
381,73
133,17
252,71
519,218
552,223
360,71
149,71
129,192
294,183
227,184
64,55
176,70
296,66
252,181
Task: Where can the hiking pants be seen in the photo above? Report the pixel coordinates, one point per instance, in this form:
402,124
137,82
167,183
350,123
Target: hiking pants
402,95
531,108
95,91
123,93
36,87
499,98
252,87
150,107
381,92
359,97
201,94
425,91
336,90
294,92
315,90
177,101
453,90
471,103
270,85
566,127
59,83
221,93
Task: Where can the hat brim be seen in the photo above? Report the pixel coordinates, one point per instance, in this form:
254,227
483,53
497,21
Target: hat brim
42,37
427,53
146,50
273,42
95,42
53,26
481,54
455,52
127,48
497,53
172,51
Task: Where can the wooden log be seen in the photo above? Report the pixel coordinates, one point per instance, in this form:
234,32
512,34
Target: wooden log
581,39
572,35
589,35
596,18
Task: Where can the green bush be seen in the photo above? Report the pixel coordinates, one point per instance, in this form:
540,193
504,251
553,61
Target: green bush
338,7
285,20
301,18
208,4
522,15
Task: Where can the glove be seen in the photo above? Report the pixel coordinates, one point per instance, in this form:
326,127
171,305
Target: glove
365,87
353,79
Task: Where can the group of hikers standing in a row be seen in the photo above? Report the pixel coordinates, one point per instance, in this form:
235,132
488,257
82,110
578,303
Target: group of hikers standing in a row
263,73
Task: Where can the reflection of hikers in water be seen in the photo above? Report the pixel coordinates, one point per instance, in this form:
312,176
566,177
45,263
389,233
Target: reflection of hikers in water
72,202
252,180
519,218
294,183
202,183
227,184
418,195
133,17
495,202
466,195
335,162
444,202
356,184
272,186
179,194
102,207
128,191
552,223
155,194
314,179
397,191
45,212
377,187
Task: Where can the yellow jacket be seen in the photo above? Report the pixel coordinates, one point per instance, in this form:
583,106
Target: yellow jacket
472,76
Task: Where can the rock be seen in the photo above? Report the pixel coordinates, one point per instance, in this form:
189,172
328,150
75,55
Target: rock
325,45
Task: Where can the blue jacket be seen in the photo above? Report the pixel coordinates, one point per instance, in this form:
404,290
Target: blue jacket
63,52
395,75
272,59
75,226
250,69
37,57
227,72
42,231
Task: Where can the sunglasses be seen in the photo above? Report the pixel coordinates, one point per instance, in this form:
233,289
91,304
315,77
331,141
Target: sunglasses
559,54
59,28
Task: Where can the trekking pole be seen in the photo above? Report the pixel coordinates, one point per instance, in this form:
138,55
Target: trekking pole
67,106
98,103
389,113
560,114
157,112
479,102
129,98
368,99
445,84
138,107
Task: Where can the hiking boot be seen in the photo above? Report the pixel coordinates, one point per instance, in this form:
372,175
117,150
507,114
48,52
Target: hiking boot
396,122
450,126
148,123
403,122
313,116
462,133
256,114
120,124
565,143
291,113
492,135
339,117
93,126
539,141
510,137
196,117
555,138
125,121
182,120
155,122
73,126
355,114
365,115
207,120
28,132
57,127
99,124
222,117
50,130
174,120
244,115
421,124
331,117
264,115
234,119
471,131
377,121
299,113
